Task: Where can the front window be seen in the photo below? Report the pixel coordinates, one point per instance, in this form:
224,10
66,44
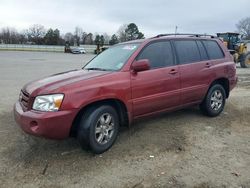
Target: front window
113,58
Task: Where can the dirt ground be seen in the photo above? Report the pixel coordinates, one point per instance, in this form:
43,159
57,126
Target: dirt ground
178,149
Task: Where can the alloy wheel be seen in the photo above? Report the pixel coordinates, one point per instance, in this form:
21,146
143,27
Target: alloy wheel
104,128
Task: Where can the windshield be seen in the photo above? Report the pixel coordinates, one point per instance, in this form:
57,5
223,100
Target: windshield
113,58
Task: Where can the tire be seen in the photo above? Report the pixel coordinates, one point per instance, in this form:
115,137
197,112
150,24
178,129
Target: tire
214,102
245,61
98,128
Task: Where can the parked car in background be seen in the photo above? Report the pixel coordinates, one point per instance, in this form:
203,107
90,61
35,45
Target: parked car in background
77,50
125,82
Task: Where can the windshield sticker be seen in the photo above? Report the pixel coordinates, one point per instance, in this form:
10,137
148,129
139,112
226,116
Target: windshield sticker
119,65
129,47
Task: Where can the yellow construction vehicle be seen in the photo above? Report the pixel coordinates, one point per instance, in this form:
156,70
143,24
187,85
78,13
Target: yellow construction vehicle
237,48
99,49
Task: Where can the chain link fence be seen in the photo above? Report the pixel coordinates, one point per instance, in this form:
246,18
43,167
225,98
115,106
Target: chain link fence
42,48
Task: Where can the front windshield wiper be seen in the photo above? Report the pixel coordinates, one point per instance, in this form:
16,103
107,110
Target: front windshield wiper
100,69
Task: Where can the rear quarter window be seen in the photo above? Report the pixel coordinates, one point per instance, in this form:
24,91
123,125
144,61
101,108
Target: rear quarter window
213,49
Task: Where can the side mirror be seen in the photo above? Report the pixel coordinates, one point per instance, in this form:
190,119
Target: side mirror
141,65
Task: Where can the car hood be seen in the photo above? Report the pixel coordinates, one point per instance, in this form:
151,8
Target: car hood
56,81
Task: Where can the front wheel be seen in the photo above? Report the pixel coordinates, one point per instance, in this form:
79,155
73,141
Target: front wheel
98,128
214,102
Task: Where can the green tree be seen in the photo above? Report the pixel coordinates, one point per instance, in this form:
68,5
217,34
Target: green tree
52,37
97,40
133,33
102,40
129,32
49,37
56,36
113,40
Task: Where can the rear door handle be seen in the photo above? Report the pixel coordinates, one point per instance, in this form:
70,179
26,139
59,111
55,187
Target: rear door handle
173,71
208,65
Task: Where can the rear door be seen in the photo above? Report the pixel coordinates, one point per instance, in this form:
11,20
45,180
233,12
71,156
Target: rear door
195,70
158,88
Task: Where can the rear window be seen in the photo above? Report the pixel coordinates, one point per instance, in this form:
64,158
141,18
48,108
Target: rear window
187,51
213,49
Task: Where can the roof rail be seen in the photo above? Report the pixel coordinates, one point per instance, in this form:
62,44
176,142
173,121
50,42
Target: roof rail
185,34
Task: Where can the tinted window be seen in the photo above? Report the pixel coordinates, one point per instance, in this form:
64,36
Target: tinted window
159,54
202,50
213,49
187,51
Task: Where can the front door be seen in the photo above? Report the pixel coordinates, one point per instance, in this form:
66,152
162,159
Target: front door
158,88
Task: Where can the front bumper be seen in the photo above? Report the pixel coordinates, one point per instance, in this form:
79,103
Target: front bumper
55,125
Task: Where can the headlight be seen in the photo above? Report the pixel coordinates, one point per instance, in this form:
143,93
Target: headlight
48,103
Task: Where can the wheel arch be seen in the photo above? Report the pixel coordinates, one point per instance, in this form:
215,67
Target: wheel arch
115,103
225,84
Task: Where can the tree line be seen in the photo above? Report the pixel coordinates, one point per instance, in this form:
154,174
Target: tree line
37,34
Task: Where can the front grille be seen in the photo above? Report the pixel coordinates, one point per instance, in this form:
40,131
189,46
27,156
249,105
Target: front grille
24,100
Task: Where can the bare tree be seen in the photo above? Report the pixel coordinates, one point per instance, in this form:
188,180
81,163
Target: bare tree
11,36
106,38
122,33
84,35
89,39
36,33
243,27
77,35
23,38
5,35
69,37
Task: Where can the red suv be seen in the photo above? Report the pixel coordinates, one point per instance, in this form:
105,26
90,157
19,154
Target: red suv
128,81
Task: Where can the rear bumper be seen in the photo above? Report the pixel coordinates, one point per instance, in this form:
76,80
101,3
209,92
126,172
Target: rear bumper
54,125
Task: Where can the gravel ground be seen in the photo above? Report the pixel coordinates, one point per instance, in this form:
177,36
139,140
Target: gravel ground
178,149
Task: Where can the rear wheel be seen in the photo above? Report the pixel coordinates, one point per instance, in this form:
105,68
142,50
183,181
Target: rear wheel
98,128
245,62
214,102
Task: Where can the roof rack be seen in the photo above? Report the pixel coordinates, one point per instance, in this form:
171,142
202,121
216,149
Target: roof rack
185,34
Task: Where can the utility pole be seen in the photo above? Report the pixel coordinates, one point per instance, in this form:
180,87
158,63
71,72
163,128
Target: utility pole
176,29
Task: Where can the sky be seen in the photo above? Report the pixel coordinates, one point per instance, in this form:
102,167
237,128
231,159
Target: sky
151,16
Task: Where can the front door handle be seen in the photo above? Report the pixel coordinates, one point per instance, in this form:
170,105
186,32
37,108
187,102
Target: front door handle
173,71
208,65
